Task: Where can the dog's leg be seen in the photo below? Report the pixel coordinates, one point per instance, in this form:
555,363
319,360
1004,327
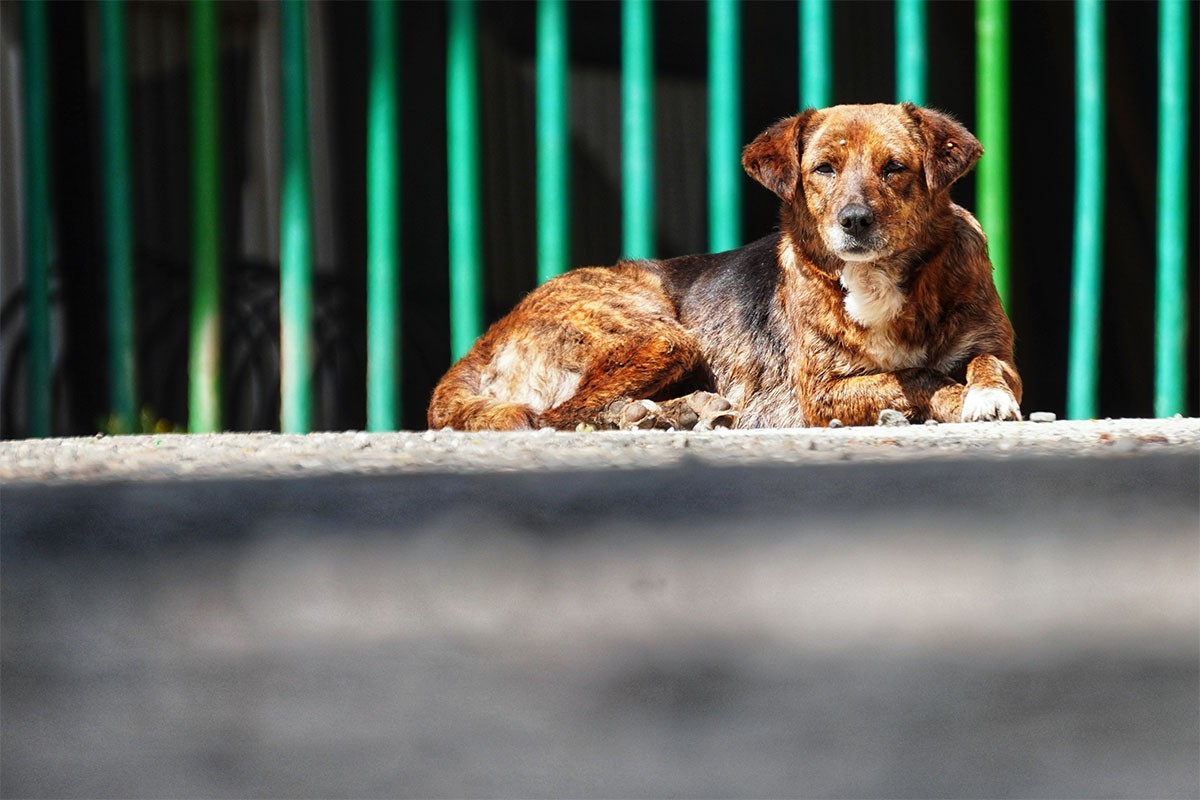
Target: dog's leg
919,394
993,390
612,392
456,403
593,347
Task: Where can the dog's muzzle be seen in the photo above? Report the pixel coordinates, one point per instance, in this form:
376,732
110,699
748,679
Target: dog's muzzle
853,238
856,220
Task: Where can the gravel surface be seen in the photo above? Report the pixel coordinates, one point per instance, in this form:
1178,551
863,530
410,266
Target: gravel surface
278,455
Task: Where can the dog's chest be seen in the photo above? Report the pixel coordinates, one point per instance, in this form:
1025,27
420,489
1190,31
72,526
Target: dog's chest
873,301
873,297
882,349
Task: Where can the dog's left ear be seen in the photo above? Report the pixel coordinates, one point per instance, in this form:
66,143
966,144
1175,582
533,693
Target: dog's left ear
950,149
773,158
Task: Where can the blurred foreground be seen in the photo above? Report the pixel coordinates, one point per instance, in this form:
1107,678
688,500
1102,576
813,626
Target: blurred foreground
985,625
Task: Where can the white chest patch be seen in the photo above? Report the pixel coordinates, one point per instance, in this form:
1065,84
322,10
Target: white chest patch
872,297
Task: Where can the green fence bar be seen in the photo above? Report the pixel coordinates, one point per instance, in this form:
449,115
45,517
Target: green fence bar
204,361
992,184
383,224
553,140
1083,365
118,213
295,224
816,53
637,132
910,51
1170,387
466,260
724,128
37,219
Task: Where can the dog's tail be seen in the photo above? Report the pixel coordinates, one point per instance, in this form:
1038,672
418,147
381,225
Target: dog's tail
457,403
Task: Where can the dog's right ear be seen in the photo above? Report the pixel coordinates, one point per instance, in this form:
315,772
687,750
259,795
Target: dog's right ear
950,149
773,159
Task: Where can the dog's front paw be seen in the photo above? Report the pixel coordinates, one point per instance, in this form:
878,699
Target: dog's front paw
985,403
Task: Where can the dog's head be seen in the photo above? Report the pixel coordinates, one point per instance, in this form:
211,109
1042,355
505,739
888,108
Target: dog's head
869,177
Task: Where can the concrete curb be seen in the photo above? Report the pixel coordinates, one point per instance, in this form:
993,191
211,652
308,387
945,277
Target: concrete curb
244,455
960,611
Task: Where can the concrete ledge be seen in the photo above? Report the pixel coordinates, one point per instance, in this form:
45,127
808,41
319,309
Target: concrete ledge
260,455
737,617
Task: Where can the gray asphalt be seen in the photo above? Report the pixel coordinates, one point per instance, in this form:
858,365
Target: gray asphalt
1007,610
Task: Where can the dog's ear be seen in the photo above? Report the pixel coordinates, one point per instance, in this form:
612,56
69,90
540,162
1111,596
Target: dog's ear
950,149
773,158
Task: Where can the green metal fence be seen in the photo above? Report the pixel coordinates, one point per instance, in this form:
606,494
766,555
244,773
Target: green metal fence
383,223
462,133
37,219
1170,392
1083,376
465,257
991,92
204,355
637,129
118,213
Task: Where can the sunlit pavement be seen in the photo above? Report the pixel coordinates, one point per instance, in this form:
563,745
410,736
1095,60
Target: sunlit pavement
957,611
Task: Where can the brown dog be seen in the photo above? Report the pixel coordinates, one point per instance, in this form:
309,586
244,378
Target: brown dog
876,293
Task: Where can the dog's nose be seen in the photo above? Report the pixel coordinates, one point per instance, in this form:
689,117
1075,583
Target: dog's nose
856,218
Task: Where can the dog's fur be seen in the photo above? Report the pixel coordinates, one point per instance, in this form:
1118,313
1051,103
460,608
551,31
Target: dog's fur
876,293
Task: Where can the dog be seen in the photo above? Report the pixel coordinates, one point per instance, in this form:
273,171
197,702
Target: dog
875,293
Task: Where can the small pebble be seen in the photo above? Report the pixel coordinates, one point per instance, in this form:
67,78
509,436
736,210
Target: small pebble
835,423
1042,416
1125,445
891,418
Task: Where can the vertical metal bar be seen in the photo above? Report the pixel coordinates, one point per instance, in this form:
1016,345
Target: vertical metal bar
204,363
992,186
637,141
816,50
910,51
1084,347
553,139
383,224
37,219
1170,386
724,118
466,260
118,216
295,247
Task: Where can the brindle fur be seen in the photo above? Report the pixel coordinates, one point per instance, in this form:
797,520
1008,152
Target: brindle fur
803,326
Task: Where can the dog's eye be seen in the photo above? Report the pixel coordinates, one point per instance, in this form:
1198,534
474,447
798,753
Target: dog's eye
893,167
824,169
